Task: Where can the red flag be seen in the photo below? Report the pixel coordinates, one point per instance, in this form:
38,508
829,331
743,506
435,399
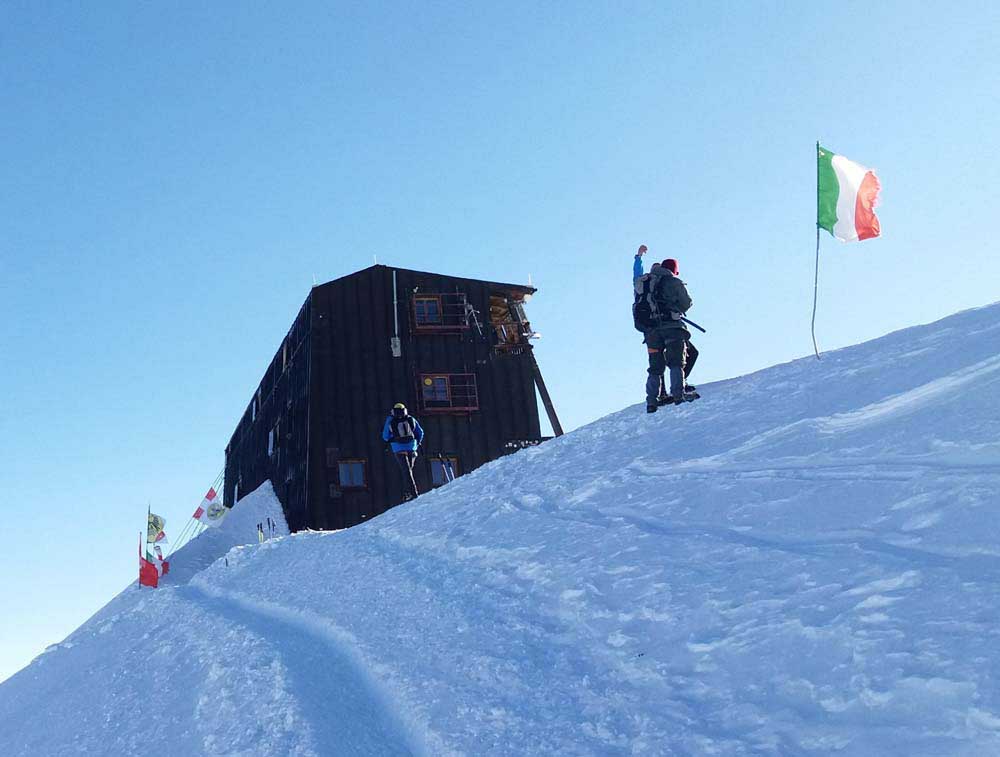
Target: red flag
148,575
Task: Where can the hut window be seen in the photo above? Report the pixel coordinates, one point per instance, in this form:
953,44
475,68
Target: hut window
427,310
444,313
436,390
449,391
274,438
443,470
352,474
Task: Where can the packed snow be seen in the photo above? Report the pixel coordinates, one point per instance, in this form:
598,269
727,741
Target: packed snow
805,561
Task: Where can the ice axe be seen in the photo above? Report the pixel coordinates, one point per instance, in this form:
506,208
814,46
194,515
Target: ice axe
692,323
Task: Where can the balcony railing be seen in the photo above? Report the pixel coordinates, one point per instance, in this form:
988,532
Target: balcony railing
448,392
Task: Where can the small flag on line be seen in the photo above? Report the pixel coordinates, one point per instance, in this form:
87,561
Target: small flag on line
211,511
154,528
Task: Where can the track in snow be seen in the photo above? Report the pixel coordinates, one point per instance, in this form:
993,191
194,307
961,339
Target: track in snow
346,713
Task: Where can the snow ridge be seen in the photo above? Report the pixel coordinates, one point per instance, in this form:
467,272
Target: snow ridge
805,561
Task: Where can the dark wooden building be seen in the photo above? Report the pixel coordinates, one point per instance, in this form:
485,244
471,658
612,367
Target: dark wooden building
456,351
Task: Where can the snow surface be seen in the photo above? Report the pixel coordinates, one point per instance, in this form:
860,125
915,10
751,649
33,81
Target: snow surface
805,561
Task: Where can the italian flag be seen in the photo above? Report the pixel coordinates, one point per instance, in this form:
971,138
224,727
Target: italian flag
847,194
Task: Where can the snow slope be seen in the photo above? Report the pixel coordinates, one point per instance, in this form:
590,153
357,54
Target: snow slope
806,561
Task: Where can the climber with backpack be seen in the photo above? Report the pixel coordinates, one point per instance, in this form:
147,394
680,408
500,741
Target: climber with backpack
404,435
658,311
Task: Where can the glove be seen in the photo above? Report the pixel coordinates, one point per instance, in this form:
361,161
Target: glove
676,316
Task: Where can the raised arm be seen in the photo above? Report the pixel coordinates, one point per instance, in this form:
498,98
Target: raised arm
637,264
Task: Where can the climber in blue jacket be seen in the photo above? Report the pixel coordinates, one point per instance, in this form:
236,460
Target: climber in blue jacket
404,435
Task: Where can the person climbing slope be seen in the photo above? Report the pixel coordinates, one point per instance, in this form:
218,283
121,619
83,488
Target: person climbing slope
661,300
404,435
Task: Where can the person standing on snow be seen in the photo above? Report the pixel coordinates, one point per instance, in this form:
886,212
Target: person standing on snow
404,434
661,300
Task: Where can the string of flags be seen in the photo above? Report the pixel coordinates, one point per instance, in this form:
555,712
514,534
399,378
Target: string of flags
152,565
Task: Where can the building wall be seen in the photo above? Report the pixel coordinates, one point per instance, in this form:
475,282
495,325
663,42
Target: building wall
271,439
356,380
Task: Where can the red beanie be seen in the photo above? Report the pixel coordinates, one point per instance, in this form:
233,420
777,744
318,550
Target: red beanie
671,265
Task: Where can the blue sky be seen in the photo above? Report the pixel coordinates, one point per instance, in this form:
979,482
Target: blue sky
177,176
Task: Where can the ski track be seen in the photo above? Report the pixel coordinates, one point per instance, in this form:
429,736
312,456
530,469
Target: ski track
346,711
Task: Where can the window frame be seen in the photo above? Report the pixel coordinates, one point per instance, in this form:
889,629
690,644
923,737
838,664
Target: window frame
425,324
434,378
471,403
363,462
452,315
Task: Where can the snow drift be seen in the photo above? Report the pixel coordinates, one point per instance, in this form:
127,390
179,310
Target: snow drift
805,561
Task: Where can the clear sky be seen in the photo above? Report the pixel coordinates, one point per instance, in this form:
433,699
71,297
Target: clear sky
176,176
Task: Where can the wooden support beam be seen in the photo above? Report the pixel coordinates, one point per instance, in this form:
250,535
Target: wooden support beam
546,399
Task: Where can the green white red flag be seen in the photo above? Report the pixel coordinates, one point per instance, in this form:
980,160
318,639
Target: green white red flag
847,194
156,560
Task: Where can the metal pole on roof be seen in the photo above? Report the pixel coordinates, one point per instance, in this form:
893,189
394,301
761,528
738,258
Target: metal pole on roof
394,344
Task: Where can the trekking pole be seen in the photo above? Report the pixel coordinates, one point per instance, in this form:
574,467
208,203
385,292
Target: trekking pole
692,323
446,472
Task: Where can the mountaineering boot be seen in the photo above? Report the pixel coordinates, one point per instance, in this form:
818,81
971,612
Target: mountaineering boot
651,408
690,388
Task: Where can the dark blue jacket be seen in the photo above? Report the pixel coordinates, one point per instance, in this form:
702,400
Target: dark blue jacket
411,446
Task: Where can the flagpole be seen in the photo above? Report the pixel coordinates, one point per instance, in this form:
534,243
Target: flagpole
816,277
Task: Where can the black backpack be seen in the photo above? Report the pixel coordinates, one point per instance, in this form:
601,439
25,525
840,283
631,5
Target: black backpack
645,311
402,429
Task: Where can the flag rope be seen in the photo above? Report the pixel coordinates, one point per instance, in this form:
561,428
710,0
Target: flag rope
190,529
815,294
816,276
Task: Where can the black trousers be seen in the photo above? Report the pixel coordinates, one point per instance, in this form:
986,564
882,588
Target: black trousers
406,460
692,355
679,355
